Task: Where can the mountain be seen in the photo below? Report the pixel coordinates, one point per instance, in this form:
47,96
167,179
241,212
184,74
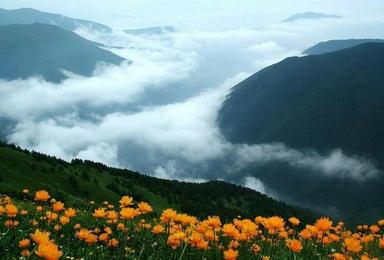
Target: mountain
319,102
151,30
336,45
30,16
309,16
81,181
47,50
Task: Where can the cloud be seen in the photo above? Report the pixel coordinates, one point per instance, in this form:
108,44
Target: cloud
335,164
158,114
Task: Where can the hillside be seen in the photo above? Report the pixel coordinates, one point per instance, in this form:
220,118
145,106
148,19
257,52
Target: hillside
336,45
80,181
319,102
296,102
46,50
309,16
30,16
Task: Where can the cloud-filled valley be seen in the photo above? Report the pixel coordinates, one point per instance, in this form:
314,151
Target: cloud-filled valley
158,113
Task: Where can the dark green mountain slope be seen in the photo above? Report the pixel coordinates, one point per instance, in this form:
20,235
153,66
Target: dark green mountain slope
336,45
80,181
30,16
46,50
335,100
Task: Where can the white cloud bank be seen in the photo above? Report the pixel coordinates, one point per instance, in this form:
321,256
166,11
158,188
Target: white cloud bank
102,118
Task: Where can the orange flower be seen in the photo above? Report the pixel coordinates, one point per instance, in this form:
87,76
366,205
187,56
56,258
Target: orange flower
129,213
230,254
42,195
256,248
126,201
99,213
70,213
58,206
64,220
174,240
381,243
374,229
353,245
168,215
230,230
24,243
25,253
294,245
274,224
49,251
338,256
213,222
113,243
294,221
158,229
323,224
144,207
2,210
11,210
40,237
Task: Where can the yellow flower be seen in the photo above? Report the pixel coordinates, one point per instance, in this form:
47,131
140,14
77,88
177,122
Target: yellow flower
58,206
144,207
99,213
294,221
40,237
42,195
2,210
24,243
323,224
294,245
230,254
126,201
25,191
49,251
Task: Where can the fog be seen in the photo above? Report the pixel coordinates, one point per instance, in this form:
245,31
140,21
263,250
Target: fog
158,113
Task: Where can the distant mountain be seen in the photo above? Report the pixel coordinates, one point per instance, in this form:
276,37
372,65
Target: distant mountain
81,181
30,16
317,102
297,102
336,45
151,30
308,16
47,50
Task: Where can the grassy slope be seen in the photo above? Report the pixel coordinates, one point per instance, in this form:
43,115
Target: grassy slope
80,181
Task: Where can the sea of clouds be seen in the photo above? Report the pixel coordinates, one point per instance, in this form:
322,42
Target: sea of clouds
158,113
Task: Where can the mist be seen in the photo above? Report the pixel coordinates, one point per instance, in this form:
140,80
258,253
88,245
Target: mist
157,114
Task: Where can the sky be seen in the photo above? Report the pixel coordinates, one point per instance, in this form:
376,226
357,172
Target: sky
158,114
196,14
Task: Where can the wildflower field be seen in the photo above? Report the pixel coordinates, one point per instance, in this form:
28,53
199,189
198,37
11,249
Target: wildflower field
39,227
